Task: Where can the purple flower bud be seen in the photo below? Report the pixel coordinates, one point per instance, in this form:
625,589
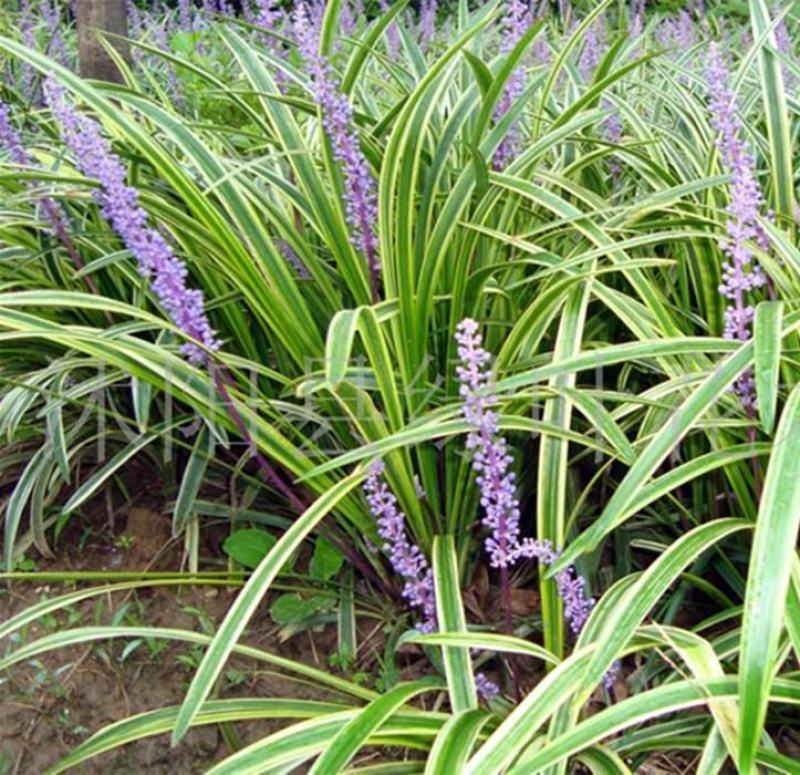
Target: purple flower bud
119,204
287,251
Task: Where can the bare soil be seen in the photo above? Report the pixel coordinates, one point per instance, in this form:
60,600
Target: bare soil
53,703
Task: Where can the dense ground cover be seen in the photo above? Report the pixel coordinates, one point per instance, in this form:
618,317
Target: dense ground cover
460,337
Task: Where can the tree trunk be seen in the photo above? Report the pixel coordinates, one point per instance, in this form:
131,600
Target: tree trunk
96,17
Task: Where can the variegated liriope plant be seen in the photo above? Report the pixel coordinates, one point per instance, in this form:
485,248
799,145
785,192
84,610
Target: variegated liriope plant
448,292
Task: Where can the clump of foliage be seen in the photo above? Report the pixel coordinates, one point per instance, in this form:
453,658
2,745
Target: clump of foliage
451,299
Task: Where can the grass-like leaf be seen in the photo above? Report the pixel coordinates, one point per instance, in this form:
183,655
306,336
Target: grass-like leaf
768,578
240,612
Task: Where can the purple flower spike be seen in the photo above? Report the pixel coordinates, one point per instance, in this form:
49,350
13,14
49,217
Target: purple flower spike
267,16
134,18
10,138
741,274
685,36
593,50
392,33
492,462
218,6
490,457
289,254
186,15
637,18
784,43
677,35
515,23
427,22
610,678
29,40
50,13
361,201
160,38
119,204
487,690
407,559
572,590
612,131
348,22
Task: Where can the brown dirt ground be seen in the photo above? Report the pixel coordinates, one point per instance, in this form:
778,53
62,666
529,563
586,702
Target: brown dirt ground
47,708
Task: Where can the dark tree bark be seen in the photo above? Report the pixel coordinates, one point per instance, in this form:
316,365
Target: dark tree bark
96,17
